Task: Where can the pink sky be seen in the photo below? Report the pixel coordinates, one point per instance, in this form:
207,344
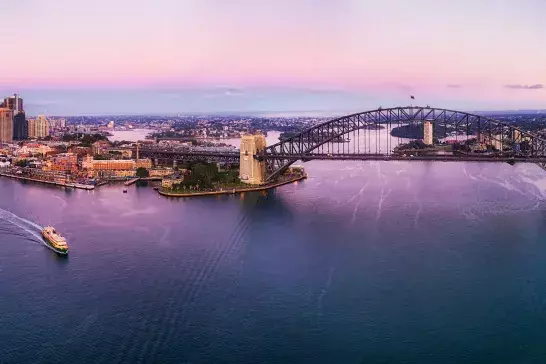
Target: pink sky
387,46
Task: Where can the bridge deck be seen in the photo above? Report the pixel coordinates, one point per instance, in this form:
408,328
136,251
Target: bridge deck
373,157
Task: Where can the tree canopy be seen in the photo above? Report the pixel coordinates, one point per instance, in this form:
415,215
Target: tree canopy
142,172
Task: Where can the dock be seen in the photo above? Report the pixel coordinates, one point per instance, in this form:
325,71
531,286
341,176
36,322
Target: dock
131,181
71,185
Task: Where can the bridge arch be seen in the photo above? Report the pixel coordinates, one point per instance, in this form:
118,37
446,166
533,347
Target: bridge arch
278,157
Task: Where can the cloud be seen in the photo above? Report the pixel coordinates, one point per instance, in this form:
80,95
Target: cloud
232,92
223,92
538,86
454,86
206,92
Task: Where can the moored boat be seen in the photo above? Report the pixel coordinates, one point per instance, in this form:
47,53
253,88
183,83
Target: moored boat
54,240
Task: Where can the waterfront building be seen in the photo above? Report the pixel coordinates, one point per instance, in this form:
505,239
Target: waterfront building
143,163
115,164
14,103
160,172
173,180
428,133
20,127
6,125
111,125
65,162
251,170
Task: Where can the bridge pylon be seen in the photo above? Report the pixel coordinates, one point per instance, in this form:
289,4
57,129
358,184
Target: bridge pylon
251,170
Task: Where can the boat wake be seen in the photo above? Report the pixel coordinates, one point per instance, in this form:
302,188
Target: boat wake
29,229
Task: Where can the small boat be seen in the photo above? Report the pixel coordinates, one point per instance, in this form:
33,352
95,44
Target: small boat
124,190
54,240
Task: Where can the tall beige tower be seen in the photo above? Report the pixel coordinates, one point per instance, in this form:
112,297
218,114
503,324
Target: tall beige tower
41,127
428,132
251,170
6,125
32,128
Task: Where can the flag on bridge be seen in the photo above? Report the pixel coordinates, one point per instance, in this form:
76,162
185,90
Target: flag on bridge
412,97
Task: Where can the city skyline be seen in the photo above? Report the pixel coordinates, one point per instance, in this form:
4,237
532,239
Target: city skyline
208,56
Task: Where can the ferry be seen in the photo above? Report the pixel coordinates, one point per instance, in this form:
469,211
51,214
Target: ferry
54,240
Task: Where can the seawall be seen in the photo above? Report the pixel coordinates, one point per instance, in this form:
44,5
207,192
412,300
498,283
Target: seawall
232,191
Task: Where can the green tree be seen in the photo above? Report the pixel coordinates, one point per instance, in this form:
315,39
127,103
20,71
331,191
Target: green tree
142,172
204,174
21,163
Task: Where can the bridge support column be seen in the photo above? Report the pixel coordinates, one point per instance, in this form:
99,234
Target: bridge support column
251,170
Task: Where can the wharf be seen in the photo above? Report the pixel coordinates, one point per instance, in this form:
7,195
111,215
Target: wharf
72,185
131,181
135,180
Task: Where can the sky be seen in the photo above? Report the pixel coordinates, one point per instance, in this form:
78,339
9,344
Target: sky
70,57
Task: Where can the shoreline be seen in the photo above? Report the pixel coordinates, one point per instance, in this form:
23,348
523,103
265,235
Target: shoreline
233,191
70,185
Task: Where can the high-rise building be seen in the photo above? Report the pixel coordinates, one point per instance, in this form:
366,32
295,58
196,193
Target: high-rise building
14,103
32,128
6,125
20,127
251,170
40,126
428,133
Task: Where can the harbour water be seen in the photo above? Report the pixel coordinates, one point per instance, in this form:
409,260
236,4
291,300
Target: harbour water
363,262
133,135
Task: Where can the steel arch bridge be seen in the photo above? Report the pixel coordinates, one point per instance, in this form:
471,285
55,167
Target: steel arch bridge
367,136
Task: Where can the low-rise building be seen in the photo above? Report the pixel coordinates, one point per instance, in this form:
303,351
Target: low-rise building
33,149
100,147
143,163
108,164
124,153
114,167
172,181
160,172
66,162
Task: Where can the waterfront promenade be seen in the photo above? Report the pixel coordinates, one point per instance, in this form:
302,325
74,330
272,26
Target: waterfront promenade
232,191
61,184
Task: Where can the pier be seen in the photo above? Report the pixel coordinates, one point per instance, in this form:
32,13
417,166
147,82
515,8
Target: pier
131,181
72,185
